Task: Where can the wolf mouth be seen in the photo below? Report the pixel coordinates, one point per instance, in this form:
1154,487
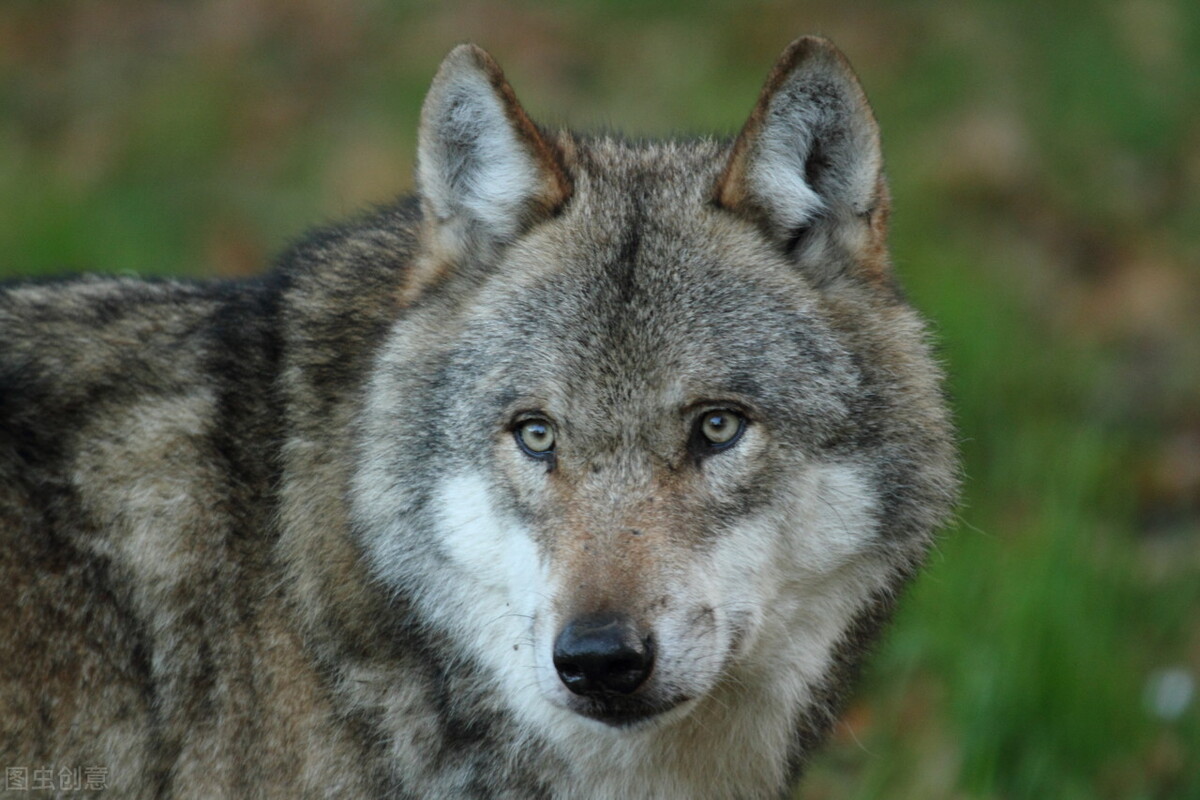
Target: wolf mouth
619,711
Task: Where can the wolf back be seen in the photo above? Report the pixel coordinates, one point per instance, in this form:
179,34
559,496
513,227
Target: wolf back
592,470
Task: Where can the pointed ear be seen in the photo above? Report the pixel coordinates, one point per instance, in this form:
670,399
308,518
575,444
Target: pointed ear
809,158
485,173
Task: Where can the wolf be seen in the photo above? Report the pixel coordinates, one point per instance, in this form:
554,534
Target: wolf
592,470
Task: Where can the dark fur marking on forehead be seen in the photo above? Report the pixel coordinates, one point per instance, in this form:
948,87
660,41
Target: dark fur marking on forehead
622,270
625,265
503,397
744,384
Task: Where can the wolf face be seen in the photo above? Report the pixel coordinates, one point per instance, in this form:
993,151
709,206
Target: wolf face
654,433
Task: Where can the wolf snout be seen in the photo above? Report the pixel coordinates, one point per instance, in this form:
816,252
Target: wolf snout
603,654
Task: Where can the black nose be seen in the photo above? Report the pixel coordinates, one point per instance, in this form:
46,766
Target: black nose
604,653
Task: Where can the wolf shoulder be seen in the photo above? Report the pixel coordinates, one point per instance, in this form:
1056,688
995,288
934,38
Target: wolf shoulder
119,393
77,347
140,429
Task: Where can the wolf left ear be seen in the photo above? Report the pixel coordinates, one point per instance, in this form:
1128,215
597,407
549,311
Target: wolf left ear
485,173
808,160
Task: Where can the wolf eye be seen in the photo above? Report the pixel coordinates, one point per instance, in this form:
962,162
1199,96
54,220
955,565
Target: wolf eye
536,437
721,429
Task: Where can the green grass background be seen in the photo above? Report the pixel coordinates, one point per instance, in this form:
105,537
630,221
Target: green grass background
1045,162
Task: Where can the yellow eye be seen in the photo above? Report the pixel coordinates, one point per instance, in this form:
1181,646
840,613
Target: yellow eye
721,428
536,437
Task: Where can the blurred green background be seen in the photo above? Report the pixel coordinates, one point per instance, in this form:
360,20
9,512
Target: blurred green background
1045,162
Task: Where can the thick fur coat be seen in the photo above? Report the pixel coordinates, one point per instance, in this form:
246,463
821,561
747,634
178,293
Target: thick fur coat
341,531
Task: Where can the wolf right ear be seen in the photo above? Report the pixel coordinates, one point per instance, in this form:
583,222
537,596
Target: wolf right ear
808,160
485,173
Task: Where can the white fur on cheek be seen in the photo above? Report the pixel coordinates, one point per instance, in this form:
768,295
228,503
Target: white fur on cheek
833,517
796,575
494,600
498,554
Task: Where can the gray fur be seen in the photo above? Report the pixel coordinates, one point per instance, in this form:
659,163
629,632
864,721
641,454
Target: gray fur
260,538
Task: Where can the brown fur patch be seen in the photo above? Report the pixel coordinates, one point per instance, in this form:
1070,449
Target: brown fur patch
612,550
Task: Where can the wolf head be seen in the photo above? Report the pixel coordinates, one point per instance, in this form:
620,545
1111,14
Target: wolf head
654,435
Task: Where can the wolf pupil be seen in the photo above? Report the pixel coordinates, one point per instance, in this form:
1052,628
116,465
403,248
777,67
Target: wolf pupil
715,426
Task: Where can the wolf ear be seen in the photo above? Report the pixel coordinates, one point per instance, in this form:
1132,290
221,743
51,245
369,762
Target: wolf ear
485,173
808,159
